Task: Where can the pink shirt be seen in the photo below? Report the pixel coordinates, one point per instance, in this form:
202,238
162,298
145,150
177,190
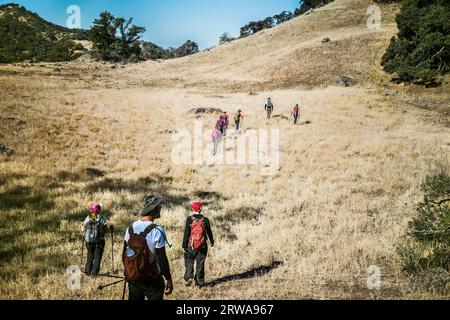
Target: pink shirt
216,134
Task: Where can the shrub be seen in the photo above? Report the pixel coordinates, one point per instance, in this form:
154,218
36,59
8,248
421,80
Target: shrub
426,253
421,50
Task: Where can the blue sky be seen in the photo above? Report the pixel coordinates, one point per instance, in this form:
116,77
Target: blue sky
168,22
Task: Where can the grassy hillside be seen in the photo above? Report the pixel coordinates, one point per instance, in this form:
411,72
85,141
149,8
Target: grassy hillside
26,36
346,187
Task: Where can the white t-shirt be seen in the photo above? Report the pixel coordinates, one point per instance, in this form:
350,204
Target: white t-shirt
156,239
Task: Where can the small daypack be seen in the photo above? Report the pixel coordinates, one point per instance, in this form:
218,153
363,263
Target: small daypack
197,238
94,231
138,266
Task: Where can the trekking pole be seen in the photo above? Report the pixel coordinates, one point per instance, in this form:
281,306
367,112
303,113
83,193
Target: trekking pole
124,289
112,250
109,285
109,276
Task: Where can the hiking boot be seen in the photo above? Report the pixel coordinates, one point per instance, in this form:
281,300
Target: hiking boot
189,282
200,284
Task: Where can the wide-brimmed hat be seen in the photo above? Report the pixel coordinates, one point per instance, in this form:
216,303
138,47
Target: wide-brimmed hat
148,204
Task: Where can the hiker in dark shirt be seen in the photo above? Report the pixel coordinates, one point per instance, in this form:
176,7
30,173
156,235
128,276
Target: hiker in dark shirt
196,233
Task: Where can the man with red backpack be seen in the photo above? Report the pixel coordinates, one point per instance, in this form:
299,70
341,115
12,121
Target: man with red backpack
195,246
144,255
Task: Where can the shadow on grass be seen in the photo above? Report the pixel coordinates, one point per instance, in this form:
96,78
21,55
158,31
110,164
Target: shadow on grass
253,273
20,197
226,222
239,215
157,185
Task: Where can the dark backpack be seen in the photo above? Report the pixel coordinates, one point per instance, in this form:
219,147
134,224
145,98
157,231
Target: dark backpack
138,266
197,238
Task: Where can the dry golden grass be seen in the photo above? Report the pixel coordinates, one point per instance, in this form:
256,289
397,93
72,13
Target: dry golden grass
340,202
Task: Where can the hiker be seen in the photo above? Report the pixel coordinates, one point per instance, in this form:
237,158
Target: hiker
216,135
94,229
238,117
296,113
144,255
221,124
227,122
269,107
196,233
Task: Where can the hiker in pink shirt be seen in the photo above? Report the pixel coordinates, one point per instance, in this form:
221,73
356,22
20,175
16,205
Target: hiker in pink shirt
216,135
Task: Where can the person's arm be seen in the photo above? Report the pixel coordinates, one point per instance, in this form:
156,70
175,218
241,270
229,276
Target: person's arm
125,245
124,251
163,263
209,231
187,233
83,225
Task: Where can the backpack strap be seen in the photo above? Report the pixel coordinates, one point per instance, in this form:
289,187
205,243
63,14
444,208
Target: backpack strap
148,229
130,230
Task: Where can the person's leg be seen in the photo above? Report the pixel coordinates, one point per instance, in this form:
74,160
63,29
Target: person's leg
200,268
90,258
216,146
98,254
135,292
189,264
156,291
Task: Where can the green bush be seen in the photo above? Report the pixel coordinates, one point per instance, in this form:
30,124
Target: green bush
421,51
426,253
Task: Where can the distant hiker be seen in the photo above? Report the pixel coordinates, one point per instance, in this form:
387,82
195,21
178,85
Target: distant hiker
94,230
216,135
144,255
296,113
221,125
269,107
238,117
227,122
196,233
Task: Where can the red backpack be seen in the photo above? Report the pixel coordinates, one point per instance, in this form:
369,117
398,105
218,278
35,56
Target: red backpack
138,266
197,238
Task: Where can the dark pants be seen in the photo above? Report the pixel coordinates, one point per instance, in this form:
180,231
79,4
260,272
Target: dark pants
296,116
238,124
153,290
192,257
94,257
269,112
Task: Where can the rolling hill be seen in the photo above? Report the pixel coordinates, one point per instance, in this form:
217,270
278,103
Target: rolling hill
24,35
